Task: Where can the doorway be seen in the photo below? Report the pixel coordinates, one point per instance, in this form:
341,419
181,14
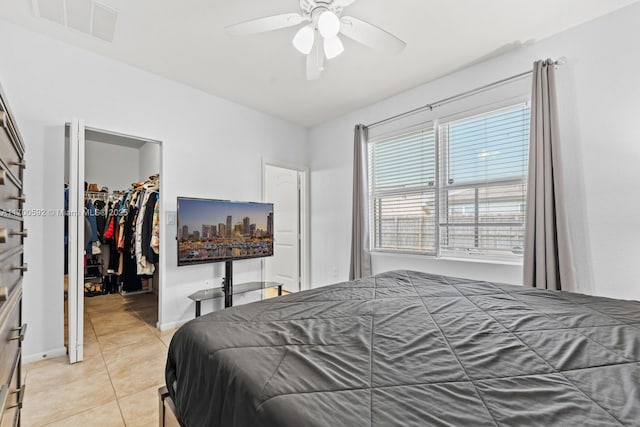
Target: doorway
112,279
286,188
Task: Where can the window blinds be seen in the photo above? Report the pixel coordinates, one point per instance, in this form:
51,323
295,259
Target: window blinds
484,183
457,188
402,173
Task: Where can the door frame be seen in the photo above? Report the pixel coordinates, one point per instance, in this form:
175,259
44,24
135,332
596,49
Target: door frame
75,294
304,247
75,290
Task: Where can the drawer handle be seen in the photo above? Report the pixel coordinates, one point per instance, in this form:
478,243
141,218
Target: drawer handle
21,165
22,233
23,267
2,177
19,198
4,294
22,329
20,392
4,234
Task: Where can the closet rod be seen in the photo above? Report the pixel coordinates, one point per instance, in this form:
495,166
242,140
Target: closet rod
462,95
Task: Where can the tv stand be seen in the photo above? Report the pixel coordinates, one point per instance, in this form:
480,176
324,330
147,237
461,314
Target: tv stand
227,286
228,290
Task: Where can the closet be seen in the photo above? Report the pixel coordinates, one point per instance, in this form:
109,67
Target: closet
114,268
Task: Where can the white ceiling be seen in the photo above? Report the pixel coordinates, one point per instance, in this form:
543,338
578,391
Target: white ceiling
186,41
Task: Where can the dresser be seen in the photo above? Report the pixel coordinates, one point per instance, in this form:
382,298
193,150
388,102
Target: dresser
12,267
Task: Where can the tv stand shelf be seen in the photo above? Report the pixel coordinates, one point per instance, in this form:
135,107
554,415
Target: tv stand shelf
241,288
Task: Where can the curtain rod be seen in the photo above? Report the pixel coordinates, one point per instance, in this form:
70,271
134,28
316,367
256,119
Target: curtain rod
444,101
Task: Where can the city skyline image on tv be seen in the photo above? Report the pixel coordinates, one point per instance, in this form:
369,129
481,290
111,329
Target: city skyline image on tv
221,230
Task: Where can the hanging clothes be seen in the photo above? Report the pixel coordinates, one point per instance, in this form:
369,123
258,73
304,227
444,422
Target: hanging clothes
87,234
101,217
155,233
90,214
66,214
147,229
128,227
66,229
130,280
110,228
143,229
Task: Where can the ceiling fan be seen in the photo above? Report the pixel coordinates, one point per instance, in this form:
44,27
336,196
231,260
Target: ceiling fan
319,37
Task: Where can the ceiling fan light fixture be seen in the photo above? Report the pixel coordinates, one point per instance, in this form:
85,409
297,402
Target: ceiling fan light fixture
303,41
320,38
328,24
333,47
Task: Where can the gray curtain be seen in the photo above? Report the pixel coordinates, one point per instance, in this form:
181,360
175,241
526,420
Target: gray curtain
548,262
360,256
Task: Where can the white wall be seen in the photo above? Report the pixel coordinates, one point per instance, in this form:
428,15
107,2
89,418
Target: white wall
109,165
211,148
149,160
599,91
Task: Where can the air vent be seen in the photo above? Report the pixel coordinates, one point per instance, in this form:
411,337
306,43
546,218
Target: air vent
104,22
53,10
79,15
86,16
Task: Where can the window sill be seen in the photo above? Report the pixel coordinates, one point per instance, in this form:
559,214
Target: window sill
515,263
483,261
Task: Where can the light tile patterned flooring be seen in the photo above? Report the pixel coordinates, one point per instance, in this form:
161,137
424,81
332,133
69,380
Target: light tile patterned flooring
117,383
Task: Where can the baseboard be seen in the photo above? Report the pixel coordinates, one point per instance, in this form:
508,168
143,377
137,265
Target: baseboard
172,325
56,352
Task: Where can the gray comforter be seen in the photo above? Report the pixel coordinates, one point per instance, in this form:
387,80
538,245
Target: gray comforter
411,349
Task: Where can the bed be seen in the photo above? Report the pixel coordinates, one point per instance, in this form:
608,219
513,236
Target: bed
411,349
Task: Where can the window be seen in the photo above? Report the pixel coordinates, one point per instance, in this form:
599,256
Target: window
402,173
455,188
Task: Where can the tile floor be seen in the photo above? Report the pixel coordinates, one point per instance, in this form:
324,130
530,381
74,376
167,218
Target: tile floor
117,383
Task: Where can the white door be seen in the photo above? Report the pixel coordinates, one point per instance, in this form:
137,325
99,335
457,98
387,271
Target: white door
282,188
75,296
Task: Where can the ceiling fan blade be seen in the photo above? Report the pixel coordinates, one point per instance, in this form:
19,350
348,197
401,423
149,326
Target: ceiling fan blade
263,25
315,59
342,3
370,35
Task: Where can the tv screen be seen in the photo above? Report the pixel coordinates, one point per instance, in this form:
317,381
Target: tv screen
222,230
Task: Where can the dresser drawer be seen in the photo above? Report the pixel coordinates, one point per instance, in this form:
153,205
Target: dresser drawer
11,233
11,335
11,197
11,268
10,151
10,331
14,397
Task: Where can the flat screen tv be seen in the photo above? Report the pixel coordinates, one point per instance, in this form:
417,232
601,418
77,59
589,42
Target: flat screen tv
221,230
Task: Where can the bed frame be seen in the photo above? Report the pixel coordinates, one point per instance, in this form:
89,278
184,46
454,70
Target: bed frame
168,414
